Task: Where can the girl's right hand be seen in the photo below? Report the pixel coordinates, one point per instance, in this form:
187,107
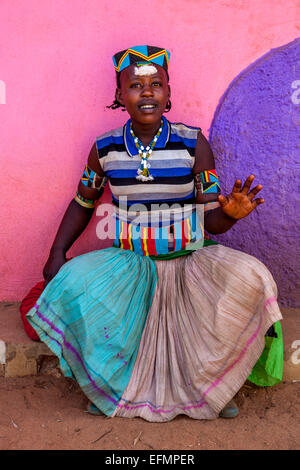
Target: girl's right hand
55,261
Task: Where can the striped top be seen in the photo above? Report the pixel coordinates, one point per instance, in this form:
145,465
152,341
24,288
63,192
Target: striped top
171,163
157,216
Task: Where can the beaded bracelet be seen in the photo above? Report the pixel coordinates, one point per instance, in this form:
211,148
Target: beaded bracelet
207,182
198,183
84,202
92,179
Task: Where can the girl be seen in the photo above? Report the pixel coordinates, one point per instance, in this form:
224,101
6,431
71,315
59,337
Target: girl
165,322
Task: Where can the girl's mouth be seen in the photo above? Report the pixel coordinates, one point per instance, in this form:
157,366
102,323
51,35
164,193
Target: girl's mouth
147,107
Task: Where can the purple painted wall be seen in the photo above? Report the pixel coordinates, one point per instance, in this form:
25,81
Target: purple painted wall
256,129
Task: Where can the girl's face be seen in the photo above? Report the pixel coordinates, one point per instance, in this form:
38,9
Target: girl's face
144,96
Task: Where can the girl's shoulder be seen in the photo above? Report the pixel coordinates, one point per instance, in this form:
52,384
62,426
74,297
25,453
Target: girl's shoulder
111,136
184,131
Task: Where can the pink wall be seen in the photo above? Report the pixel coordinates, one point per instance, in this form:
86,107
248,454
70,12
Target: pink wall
56,78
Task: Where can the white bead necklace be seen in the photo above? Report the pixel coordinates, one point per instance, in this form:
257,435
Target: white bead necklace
143,173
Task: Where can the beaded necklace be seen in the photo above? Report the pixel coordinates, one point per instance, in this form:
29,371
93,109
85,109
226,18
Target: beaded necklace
143,173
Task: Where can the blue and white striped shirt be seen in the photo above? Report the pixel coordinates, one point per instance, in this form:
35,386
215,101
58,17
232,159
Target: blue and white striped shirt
171,161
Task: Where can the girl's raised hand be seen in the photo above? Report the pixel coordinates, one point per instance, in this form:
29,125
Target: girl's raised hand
240,202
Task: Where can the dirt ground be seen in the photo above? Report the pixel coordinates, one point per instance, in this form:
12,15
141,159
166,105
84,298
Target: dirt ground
46,412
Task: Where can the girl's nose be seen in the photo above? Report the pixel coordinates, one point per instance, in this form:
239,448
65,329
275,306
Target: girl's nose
147,90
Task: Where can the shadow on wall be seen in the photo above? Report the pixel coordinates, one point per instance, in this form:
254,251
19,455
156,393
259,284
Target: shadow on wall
256,129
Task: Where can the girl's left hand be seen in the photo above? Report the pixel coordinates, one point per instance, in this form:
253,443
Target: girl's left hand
241,202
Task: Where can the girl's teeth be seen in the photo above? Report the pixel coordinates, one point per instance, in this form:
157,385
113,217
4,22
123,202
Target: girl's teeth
148,106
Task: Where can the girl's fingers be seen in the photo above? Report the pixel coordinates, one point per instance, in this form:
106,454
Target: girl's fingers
257,202
247,184
222,200
254,191
237,186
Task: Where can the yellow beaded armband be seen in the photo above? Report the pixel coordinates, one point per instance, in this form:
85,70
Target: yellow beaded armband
88,203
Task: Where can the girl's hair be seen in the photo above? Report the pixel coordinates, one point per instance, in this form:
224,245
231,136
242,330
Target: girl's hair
116,104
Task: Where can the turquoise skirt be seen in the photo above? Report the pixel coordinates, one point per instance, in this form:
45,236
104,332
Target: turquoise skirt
92,315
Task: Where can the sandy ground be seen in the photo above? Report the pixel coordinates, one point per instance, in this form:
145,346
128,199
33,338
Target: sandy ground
46,412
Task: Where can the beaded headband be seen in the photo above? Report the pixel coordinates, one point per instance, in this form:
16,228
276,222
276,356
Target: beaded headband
136,54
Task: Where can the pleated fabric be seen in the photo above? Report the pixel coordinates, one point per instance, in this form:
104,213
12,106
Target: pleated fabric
92,315
204,333
155,339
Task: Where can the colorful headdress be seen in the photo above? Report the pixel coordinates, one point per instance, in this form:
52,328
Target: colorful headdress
137,54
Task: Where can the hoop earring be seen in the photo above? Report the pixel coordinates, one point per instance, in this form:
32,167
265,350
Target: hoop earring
168,106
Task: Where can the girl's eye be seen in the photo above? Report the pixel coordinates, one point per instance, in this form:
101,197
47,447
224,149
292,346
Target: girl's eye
135,85
158,84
